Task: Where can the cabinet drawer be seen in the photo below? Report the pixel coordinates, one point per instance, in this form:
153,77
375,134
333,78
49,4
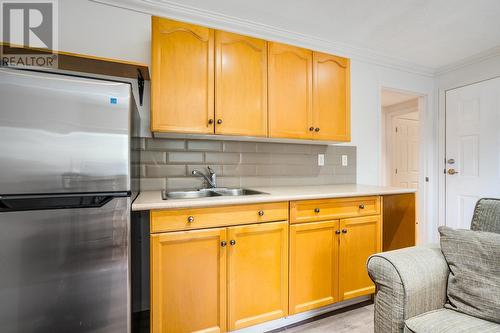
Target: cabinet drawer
316,210
197,218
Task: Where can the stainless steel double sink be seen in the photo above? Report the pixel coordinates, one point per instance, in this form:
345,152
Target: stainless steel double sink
209,192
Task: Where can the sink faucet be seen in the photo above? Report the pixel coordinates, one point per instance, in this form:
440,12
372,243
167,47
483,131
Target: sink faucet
212,180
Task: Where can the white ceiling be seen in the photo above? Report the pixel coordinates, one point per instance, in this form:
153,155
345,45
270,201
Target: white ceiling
391,97
428,33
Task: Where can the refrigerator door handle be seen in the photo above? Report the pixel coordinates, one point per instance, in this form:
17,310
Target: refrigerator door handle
13,203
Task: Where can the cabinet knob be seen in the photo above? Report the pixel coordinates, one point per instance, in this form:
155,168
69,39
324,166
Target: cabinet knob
311,128
261,213
232,242
210,121
337,232
316,129
362,206
317,210
344,231
191,219
223,243
219,121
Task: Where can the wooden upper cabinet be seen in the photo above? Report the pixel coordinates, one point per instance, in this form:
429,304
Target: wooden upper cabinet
257,274
182,92
241,85
290,92
188,282
331,99
360,238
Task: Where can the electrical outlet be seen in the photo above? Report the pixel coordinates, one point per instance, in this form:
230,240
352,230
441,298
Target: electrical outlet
321,159
344,160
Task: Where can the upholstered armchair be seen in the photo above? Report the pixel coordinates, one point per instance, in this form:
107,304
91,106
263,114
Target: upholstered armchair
412,286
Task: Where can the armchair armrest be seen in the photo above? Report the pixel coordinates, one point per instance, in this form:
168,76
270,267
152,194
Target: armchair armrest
409,282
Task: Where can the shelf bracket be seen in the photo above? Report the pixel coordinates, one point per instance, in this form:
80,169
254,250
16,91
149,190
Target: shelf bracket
140,83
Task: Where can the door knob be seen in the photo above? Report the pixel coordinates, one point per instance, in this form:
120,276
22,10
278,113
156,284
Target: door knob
316,129
261,213
344,231
311,128
210,121
362,206
337,232
223,243
191,219
452,171
219,121
317,210
232,242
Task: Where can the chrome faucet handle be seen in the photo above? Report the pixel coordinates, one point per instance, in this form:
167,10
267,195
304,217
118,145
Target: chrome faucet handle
213,177
212,172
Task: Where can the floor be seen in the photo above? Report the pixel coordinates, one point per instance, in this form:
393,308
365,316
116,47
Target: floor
350,320
353,319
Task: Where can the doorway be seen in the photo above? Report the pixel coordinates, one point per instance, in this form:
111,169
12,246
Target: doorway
401,141
472,149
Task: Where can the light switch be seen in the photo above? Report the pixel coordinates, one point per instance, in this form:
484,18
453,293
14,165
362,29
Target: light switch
321,159
344,160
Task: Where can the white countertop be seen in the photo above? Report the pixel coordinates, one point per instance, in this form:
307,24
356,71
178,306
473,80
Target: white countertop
152,199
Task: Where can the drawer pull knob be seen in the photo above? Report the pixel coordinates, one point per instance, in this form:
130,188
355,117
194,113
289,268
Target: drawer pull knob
232,242
362,206
191,219
317,210
337,232
223,243
219,121
311,129
316,129
344,231
210,121
261,213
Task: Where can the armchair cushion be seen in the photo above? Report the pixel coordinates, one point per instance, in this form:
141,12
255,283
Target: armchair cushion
474,282
449,321
486,216
409,282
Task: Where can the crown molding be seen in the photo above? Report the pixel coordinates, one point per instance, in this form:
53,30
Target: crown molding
215,20
474,59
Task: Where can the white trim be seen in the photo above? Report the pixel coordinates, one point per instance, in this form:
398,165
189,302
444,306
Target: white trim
474,59
212,19
293,319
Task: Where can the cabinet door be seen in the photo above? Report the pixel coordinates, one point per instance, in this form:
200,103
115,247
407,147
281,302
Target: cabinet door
290,92
188,282
241,85
313,265
359,238
331,97
182,81
257,274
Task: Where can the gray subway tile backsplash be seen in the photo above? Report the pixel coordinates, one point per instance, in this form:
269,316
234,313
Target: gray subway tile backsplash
168,163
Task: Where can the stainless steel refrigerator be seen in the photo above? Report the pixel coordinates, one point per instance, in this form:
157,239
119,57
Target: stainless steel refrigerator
65,193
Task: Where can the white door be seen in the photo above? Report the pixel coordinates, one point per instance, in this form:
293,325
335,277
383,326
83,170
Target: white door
472,149
406,144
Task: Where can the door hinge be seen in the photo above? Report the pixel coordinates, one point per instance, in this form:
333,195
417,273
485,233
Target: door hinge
396,171
396,129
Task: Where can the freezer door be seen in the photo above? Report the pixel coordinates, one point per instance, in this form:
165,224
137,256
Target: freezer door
65,270
63,134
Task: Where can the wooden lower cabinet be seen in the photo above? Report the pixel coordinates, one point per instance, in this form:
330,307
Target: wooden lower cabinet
188,281
314,258
257,274
219,279
360,237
